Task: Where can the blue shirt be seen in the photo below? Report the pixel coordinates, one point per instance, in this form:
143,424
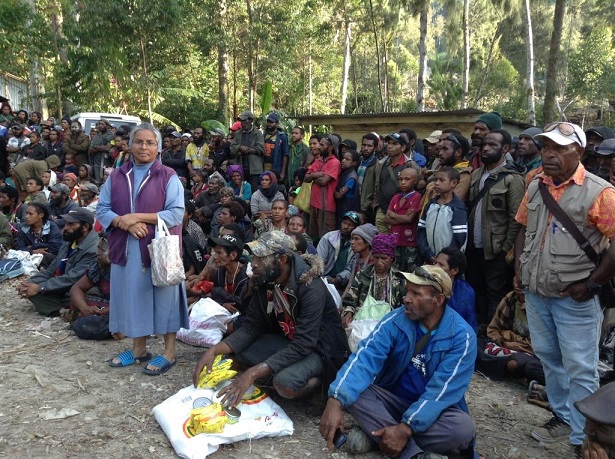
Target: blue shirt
412,382
463,301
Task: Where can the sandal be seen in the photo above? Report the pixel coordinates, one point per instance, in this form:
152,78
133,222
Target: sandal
161,363
127,358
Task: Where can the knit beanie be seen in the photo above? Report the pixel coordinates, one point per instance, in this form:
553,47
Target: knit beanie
67,119
366,231
384,244
493,120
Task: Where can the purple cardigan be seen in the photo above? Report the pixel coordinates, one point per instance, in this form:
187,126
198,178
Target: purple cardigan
150,199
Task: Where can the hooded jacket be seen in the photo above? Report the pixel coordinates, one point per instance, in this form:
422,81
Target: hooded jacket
442,226
318,325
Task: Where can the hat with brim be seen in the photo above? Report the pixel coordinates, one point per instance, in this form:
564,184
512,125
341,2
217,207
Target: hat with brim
272,243
228,240
60,188
80,214
246,115
430,275
599,406
606,148
89,187
434,137
395,137
561,139
175,134
236,126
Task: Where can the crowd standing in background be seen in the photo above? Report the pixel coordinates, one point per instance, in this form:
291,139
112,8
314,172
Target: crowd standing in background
462,246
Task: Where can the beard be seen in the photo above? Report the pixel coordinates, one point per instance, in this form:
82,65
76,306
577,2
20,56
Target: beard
73,236
271,272
491,158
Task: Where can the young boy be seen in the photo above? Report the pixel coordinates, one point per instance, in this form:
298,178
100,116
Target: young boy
444,221
403,215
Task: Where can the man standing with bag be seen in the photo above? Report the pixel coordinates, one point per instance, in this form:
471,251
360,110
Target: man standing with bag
560,281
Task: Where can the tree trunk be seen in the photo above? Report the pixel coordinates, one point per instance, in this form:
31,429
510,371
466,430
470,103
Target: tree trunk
147,85
529,42
251,81
549,110
496,36
223,108
371,12
385,65
420,92
346,72
466,54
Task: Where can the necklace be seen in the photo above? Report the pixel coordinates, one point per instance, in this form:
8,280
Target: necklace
232,283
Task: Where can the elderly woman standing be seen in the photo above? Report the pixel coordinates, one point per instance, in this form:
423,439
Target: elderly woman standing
131,201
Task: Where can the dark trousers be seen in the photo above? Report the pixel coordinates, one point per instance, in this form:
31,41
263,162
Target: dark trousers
51,303
453,432
491,281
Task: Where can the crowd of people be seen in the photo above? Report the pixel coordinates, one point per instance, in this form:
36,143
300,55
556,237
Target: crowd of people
441,255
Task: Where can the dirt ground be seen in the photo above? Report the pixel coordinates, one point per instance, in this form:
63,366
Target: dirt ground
59,399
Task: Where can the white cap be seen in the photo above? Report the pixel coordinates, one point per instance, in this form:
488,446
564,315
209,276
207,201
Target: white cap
553,132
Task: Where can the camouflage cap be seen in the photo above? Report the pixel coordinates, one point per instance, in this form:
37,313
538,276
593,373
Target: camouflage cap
274,242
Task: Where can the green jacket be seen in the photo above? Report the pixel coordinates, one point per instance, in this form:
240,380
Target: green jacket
498,209
6,237
356,294
256,140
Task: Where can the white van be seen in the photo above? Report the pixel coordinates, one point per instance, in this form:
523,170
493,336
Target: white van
88,120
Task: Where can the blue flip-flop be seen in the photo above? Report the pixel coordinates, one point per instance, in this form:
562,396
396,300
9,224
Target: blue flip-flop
162,364
127,358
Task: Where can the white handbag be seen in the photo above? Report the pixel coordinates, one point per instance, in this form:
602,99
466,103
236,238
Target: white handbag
166,255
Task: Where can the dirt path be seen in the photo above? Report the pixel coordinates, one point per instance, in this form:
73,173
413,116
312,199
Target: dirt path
61,400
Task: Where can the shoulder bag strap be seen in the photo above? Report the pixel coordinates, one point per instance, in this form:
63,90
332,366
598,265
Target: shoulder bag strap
486,187
567,223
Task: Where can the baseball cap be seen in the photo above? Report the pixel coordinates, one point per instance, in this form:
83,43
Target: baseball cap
217,132
353,217
236,126
80,214
563,133
606,148
274,242
599,406
396,137
175,134
228,240
273,117
430,275
60,187
434,137
349,143
246,115
186,135
106,121
89,187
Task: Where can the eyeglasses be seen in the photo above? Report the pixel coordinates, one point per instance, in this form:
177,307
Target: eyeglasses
454,139
422,272
565,128
148,143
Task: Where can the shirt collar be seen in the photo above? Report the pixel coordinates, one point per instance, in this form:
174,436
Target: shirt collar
578,177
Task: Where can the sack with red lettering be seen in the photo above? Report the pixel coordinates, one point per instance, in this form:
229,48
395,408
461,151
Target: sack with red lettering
260,417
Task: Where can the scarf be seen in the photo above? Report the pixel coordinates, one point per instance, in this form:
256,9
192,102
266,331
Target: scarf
270,192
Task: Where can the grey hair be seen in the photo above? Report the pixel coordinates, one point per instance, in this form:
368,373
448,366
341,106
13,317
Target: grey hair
146,127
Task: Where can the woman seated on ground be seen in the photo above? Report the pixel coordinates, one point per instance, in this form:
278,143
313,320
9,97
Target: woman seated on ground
11,207
85,174
360,254
38,234
261,201
241,188
34,188
377,282
70,180
275,222
296,224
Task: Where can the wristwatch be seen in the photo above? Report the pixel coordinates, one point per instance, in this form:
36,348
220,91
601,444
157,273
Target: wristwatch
593,287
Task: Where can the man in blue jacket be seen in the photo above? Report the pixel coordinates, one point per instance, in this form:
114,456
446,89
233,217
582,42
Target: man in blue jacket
406,382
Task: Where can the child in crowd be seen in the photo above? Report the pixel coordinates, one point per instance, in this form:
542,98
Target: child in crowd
403,216
70,164
346,194
298,177
85,174
444,221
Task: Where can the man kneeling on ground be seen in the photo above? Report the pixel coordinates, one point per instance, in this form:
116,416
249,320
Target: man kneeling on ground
292,329
406,382
48,290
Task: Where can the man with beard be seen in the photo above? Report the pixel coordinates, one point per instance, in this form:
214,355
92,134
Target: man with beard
595,136
292,329
323,174
248,146
334,249
197,151
365,171
297,154
604,153
219,150
452,152
496,190
484,124
175,158
16,142
49,290
77,143
528,150
99,150
276,147
60,203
